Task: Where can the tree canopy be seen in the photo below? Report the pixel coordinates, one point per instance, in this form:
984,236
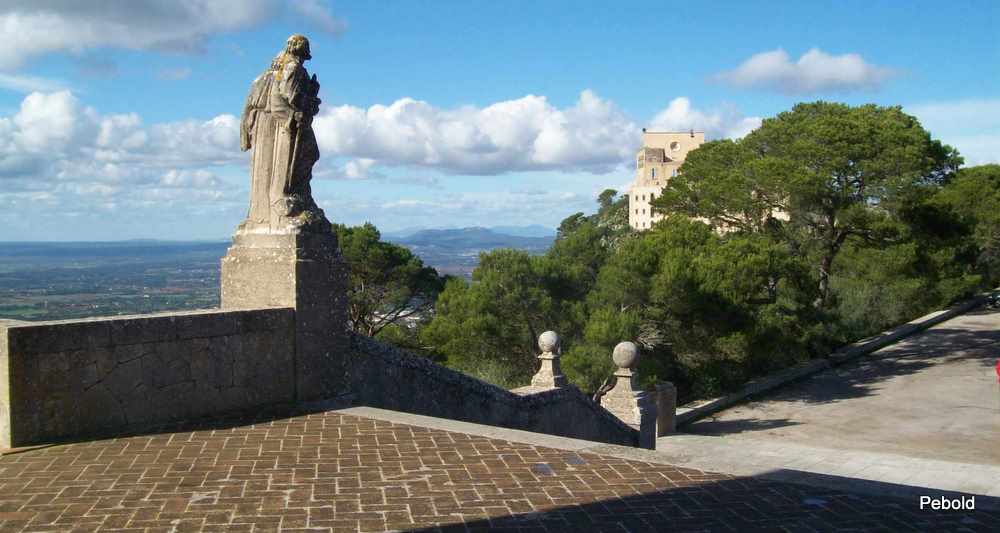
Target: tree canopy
386,282
821,174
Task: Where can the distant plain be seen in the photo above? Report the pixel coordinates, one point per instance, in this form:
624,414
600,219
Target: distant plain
63,280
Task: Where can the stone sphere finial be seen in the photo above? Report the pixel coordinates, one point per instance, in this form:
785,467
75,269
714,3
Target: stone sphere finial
626,355
548,342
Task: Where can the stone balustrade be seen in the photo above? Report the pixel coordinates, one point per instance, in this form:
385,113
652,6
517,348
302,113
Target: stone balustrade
387,377
549,375
627,401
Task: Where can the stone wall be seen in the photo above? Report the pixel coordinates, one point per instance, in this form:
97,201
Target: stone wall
98,376
104,376
387,377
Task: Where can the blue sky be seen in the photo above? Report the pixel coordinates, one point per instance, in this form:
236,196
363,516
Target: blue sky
118,118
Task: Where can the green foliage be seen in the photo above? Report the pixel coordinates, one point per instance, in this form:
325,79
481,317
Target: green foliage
827,224
386,283
837,172
496,318
973,198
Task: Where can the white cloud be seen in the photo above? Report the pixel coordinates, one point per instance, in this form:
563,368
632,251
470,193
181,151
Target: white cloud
473,208
319,14
47,122
198,178
971,114
76,156
815,71
32,27
725,123
36,27
971,125
26,84
78,162
514,135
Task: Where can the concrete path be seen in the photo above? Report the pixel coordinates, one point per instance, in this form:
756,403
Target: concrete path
924,413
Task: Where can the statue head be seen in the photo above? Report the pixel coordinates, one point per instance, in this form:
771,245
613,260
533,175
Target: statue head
298,45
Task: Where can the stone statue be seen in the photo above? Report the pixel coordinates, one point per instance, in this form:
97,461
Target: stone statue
277,125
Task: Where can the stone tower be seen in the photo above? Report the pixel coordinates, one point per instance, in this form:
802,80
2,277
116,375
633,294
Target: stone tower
656,162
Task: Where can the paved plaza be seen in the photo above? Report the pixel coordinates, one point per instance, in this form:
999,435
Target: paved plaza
333,471
923,413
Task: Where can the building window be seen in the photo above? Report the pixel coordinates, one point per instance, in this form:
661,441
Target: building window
674,146
674,173
652,172
652,196
644,211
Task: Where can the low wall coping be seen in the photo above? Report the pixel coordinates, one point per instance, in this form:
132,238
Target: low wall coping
109,318
98,332
522,397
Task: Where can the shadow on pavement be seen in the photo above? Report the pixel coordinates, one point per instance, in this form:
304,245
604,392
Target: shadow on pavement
770,502
862,377
714,426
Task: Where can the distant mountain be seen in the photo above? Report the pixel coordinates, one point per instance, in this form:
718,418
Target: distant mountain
534,230
473,239
456,251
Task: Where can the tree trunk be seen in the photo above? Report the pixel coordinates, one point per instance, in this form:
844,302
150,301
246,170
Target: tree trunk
824,279
825,265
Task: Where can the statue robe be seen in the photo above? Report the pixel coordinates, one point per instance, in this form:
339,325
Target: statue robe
278,127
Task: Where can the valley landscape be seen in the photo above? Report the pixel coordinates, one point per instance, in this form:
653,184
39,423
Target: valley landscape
65,280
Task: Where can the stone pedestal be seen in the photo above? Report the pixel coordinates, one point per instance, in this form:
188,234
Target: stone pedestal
626,401
549,375
666,421
304,271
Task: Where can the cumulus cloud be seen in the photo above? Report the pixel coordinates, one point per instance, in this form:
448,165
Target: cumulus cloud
815,71
728,122
47,122
514,135
36,27
58,151
971,125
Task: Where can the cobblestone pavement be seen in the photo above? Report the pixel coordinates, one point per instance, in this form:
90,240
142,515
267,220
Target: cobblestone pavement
334,472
